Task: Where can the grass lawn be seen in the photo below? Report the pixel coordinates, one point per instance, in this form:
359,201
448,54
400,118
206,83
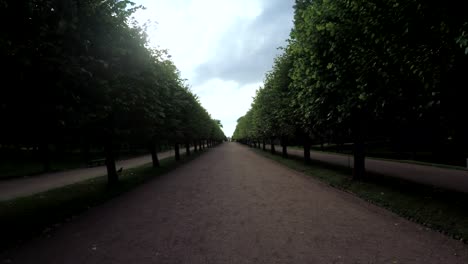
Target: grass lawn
39,214
439,209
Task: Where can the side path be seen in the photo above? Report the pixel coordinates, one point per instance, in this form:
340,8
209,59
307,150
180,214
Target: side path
452,179
231,205
14,188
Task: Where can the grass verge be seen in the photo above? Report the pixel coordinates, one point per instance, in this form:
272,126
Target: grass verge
39,214
442,210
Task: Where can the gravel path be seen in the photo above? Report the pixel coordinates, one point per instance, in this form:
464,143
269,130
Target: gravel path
14,188
233,206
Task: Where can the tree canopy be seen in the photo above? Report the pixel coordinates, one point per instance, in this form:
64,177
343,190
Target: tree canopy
360,70
82,72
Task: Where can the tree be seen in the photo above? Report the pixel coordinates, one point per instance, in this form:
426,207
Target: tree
363,70
357,63
82,71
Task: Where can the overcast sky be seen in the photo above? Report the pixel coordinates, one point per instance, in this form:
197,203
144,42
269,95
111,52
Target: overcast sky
223,47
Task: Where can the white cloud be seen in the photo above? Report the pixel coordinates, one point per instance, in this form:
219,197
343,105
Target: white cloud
223,47
191,30
226,100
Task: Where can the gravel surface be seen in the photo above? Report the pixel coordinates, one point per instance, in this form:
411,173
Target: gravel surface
231,205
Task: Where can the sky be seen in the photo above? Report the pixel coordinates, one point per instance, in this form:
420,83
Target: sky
222,47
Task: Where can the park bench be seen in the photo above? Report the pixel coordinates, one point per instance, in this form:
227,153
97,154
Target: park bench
96,162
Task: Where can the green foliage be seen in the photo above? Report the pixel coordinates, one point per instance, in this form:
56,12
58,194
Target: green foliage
357,70
272,114
82,72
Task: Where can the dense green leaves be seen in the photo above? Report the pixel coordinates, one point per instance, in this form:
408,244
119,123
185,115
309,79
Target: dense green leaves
358,70
81,72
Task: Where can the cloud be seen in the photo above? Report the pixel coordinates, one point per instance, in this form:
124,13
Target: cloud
192,29
223,47
226,100
246,50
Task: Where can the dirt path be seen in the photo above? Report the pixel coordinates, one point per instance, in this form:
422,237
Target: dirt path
452,179
14,188
233,206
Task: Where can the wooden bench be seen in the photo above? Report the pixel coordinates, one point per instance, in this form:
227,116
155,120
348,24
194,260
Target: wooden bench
96,162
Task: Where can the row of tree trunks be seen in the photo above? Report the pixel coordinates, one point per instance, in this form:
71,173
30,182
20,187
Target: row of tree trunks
110,152
358,151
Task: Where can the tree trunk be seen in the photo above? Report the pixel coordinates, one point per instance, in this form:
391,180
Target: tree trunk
154,155
306,149
177,152
112,176
272,142
264,145
284,147
195,149
187,149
